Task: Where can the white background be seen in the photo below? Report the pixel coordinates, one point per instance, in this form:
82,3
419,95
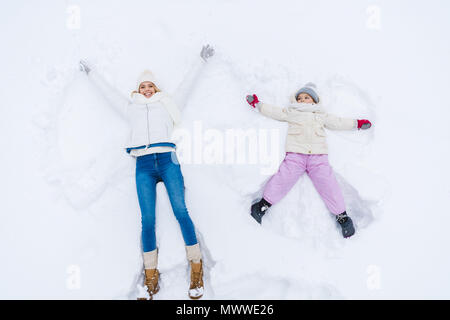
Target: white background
70,220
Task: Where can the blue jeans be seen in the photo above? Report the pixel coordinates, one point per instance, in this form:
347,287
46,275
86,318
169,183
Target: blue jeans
151,169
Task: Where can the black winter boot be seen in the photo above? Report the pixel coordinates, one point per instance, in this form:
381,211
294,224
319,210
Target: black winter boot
346,224
259,209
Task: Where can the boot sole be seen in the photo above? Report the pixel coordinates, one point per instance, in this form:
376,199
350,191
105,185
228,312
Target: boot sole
195,298
150,294
256,217
350,235
154,292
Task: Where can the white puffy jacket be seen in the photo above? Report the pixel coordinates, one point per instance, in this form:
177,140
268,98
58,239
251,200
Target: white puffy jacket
306,132
151,120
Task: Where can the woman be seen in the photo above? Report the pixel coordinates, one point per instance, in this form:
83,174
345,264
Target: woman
152,115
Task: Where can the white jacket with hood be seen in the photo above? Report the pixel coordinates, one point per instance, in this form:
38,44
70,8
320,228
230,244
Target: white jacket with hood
306,123
151,120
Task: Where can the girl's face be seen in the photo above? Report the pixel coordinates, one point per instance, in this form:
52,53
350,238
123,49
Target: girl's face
147,89
304,98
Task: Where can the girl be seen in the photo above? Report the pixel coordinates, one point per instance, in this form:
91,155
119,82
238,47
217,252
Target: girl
152,114
306,151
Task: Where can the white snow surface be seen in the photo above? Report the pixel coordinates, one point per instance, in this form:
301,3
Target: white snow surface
70,216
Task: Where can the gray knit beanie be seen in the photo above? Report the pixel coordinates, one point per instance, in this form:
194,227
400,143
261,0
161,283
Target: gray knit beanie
309,88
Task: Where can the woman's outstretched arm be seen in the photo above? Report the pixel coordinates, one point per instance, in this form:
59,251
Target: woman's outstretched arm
184,90
115,98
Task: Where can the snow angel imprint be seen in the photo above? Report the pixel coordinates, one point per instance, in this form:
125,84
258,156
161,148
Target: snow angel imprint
306,151
152,114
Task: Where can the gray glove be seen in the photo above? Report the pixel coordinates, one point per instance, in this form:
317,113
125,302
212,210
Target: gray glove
207,52
84,66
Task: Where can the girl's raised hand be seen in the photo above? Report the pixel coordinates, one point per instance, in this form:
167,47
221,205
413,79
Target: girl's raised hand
364,124
252,100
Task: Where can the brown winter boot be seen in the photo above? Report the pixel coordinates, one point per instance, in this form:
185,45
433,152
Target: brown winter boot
151,281
196,287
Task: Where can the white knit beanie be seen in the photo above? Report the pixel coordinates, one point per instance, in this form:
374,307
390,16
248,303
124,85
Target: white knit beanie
146,75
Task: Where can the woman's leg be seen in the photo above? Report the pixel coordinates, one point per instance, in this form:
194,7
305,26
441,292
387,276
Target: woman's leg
174,182
146,190
292,167
324,180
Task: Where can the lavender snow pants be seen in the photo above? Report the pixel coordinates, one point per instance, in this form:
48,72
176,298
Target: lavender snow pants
317,168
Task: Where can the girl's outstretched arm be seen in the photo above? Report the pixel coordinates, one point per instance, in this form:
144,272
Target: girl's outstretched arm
333,122
337,123
115,98
364,124
184,90
268,110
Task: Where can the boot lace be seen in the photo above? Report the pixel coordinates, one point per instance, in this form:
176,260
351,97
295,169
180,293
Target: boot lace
341,218
150,282
196,278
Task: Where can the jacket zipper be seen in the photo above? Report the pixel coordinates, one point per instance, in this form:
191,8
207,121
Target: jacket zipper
148,129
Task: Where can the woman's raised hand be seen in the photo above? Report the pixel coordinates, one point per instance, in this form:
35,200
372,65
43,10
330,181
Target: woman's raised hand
207,52
84,66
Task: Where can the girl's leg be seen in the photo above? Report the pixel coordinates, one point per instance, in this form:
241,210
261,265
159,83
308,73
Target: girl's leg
324,180
146,190
292,167
174,182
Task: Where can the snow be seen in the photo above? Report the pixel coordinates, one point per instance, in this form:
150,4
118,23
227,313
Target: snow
70,217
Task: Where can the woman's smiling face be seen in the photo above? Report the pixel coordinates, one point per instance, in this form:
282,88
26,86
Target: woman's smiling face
147,89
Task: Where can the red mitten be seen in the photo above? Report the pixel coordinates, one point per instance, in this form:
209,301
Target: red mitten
252,100
364,124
